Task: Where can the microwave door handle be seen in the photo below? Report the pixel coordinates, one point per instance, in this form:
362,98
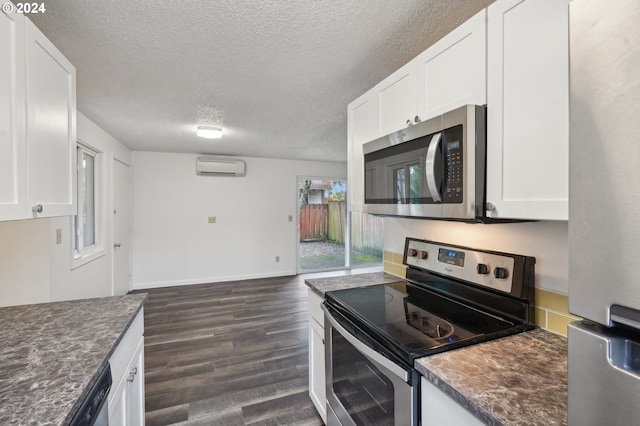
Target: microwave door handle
430,167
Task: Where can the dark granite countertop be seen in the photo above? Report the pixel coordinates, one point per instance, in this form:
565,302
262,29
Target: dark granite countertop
516,380
51,355
322,285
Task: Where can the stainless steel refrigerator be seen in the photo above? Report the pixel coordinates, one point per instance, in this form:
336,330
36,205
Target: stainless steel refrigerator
604,213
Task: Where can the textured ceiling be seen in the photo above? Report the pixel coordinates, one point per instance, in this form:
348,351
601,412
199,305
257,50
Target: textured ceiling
277,75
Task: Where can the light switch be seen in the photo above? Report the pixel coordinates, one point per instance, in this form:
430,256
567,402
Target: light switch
290,218
277,259
212,219
58,235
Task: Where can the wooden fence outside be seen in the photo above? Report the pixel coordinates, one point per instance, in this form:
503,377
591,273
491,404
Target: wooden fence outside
313,222
367,233
336,219
327,222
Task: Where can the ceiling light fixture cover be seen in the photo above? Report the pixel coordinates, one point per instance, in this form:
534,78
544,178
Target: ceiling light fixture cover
209,132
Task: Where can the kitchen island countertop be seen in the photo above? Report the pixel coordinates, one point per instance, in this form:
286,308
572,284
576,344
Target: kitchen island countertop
52,353
515,380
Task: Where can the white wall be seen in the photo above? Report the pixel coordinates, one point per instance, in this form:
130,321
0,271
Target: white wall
173,243
24,262
546,241
93,279
34,268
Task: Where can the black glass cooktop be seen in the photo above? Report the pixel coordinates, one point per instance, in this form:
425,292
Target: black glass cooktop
412,321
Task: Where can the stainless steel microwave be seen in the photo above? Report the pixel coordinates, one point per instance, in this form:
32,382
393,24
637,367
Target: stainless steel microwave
433,169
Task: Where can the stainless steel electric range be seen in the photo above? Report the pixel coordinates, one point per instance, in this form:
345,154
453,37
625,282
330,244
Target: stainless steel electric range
453,297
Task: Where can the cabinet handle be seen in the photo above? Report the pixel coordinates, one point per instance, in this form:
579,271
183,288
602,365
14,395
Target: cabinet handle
417,119
132,374
117,245
409,122
37,209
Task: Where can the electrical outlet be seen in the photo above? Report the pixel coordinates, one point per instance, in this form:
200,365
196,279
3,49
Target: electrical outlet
277,259
58,235
212,219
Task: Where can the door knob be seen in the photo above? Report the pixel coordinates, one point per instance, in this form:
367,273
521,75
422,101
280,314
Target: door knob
117,245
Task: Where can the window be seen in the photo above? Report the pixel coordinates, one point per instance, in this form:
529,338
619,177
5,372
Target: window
86,228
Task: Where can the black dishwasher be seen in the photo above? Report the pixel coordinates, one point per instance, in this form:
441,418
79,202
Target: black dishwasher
94,410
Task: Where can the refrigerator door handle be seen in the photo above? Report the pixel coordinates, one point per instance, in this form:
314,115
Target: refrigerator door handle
624,315
625,354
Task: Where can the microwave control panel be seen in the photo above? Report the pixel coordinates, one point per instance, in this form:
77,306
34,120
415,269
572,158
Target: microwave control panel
453,188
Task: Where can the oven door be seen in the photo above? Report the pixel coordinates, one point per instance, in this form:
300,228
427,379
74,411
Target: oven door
364,387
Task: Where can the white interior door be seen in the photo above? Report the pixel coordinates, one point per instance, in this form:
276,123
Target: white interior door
121,218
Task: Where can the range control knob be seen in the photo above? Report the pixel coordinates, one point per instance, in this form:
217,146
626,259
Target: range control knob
412,252
500,273
482,269
422,254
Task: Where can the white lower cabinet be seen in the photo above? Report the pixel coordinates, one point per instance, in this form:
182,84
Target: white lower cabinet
126,398
317,383
438,409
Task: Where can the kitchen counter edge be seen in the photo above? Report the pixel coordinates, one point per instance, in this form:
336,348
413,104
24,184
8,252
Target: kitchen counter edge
341,282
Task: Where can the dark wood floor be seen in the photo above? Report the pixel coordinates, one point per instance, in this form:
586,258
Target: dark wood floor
231,353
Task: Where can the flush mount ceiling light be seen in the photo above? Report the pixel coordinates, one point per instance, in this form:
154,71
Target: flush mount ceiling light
209,132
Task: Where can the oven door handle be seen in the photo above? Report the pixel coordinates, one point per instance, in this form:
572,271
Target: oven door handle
366,350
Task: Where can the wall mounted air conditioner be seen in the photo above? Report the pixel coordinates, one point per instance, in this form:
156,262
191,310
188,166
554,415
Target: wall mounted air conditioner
220,166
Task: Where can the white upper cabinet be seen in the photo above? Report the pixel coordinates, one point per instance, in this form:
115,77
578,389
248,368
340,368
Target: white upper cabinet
528,109
395,98
452,72
51,127
361,126
13,178
449,74
37,123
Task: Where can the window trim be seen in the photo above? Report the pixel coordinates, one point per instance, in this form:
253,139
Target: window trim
96,250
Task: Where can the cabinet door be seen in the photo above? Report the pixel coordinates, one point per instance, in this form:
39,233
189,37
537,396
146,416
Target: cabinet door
317,390
396,100
126,406
528,109
317,382
360,129
118,406
452,72
126,398
439,409
13,179
135,387
51,126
